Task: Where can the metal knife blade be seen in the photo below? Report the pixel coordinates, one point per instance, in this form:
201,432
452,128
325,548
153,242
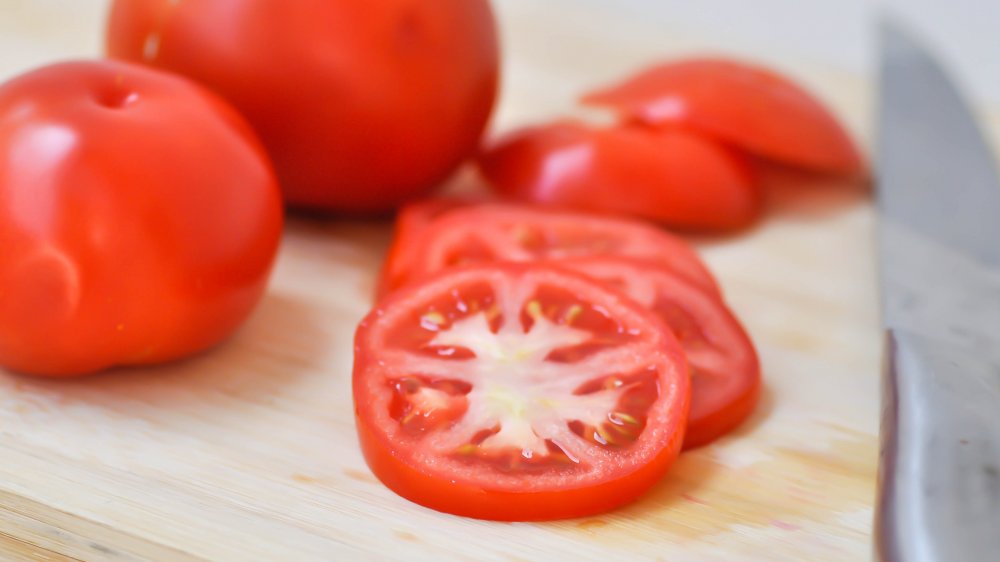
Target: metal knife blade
939,204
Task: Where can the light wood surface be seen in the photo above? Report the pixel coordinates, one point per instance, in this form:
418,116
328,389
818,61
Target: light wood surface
249,453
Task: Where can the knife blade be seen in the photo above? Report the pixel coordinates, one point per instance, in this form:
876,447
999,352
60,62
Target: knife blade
939,232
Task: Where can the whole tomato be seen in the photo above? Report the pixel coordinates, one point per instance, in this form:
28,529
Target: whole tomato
362,105
139,218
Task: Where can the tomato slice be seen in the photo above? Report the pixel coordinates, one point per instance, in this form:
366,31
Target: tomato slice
411,220
672,176
749,106
492,232
517,392
725,370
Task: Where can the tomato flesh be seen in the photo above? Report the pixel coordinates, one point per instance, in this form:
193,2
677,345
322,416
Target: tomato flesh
411,220
502,232
672,176
725,370
517,392
749,106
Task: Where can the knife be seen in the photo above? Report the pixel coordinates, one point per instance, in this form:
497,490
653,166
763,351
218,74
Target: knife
939,231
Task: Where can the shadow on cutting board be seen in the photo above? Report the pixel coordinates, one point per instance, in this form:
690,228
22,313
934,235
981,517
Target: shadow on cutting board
793,195
253,365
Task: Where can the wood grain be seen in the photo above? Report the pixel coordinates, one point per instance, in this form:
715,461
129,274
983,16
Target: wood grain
248,452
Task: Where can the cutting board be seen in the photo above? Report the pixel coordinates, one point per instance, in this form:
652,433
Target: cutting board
248,452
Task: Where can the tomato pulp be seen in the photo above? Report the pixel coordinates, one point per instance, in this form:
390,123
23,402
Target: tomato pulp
411,221
492,232
725,371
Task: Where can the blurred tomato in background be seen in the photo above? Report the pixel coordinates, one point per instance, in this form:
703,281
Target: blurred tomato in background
361,105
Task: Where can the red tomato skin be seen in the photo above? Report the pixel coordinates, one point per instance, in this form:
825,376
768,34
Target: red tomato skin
361,105
747,105
139,218
386,458
671,176
460,498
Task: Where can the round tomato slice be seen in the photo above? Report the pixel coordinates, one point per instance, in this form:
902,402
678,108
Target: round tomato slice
517,392
672,176
749,106
492,232
725,371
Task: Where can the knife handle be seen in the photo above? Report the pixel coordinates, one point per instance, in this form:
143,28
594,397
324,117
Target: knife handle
939,470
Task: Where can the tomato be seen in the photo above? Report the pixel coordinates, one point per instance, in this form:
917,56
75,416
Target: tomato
725,371
517,392
672,176
139,218
503,232
362,105
749,106
411,220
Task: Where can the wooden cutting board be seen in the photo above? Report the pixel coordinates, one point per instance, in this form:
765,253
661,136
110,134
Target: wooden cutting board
249,453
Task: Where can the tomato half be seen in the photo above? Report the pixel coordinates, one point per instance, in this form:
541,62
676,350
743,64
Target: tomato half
504,232
672,176
725,371
362,105
517,392
749,106
139,218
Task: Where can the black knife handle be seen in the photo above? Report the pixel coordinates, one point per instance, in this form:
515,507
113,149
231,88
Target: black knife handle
939,470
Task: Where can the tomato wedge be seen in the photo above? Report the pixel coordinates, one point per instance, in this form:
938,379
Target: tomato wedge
725,370
752,107
672,176
492,232
517,392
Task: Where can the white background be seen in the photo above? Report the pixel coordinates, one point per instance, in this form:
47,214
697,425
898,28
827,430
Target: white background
966,33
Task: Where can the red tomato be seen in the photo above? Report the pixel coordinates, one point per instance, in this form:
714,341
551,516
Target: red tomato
674,176
725,371
139,218
411,220
749,106
517,392
498,232
362,105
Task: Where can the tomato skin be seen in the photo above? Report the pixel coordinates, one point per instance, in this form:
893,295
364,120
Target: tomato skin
473,494
749,106
362,105
672,176
460,498
139,218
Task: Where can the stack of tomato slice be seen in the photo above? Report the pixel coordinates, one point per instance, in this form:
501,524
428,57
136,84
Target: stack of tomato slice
527,364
